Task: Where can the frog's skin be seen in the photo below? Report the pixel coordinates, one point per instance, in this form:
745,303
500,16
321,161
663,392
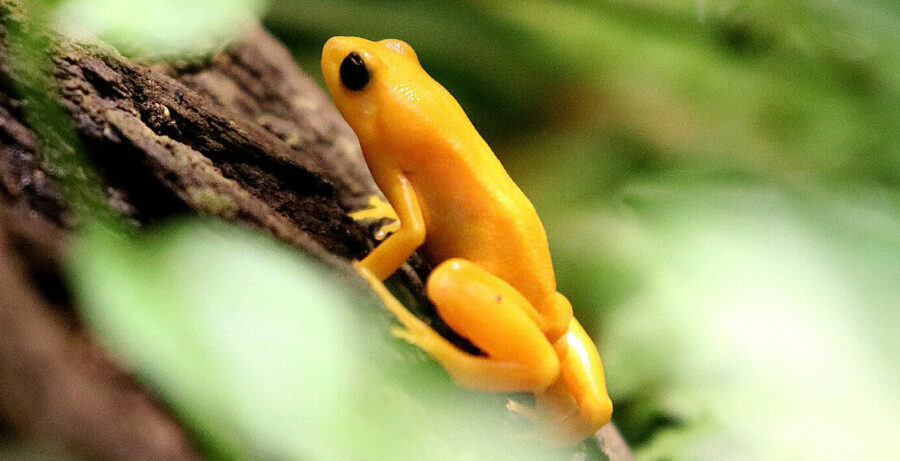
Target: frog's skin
493,280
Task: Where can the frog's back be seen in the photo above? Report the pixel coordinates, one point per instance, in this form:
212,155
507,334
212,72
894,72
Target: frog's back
474,210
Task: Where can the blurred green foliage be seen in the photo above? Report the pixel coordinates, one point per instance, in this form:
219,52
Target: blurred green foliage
158,29
719,182
266,355
802,90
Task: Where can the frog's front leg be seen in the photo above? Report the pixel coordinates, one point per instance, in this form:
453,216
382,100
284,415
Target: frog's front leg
493,316
396,249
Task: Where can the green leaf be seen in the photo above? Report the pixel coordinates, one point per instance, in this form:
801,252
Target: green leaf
764,325
161,28
224,327
264,354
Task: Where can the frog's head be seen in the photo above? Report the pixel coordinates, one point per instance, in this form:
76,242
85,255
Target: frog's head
365,80
382,91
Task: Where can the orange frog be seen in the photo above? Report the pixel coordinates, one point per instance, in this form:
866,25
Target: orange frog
493,281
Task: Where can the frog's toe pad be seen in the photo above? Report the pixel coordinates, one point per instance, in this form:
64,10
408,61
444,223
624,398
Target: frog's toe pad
420,339
386,230
523,411
404,334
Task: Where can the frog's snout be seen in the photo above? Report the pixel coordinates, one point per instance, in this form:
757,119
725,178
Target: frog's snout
334,46
333,51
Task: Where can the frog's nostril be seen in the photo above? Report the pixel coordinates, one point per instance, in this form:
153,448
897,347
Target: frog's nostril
334,50
335,46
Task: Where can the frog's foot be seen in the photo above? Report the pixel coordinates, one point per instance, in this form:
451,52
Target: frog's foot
576,406
411,323
412,330
554,419
523,410
378,209
555,416
489,313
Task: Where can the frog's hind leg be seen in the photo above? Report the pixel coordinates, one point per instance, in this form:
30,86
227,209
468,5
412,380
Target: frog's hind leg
576,405
492,315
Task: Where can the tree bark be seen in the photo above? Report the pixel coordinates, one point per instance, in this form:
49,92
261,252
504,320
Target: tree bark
244,136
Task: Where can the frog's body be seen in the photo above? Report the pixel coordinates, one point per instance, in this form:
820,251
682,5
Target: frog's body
493,280
510,241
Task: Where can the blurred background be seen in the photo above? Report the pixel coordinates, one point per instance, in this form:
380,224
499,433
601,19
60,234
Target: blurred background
719,183
719,180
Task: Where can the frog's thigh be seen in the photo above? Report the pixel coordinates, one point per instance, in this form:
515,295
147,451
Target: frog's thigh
492,315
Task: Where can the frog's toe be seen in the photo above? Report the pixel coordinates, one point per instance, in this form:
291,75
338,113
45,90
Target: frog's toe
523,411
425,340
377,208
386,230
404,334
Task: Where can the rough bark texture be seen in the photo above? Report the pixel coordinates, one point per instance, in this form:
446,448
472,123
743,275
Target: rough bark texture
245,136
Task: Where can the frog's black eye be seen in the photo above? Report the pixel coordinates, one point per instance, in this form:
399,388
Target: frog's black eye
354,74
